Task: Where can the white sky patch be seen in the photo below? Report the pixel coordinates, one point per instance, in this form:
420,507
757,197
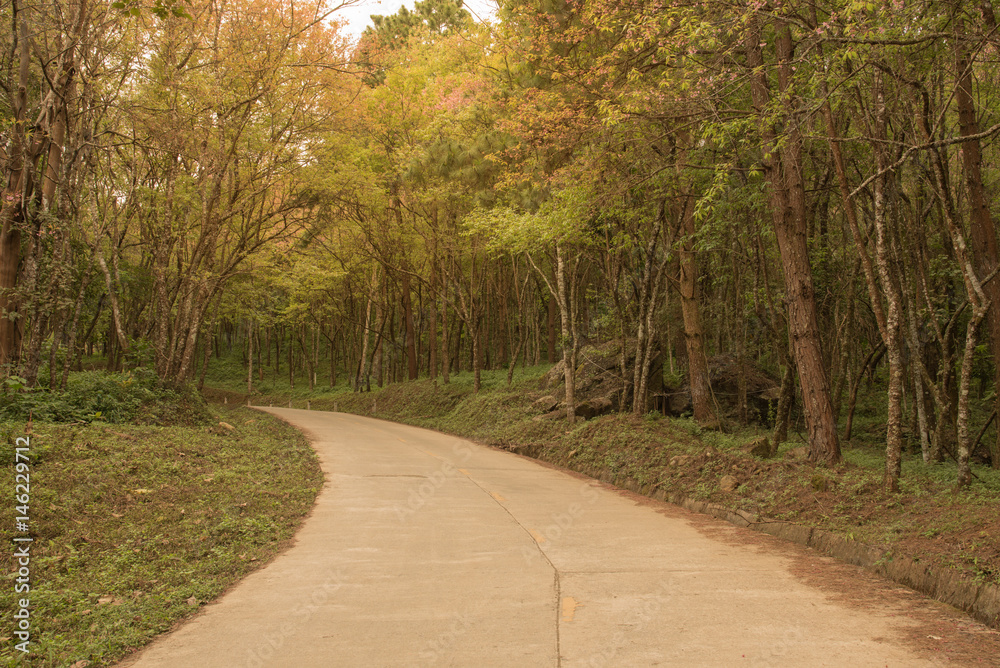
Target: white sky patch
357,16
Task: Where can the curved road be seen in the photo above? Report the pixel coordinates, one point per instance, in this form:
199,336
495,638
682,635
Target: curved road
424,549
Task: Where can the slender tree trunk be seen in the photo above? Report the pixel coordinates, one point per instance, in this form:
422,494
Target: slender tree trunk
112,293
410,340
701,388
566,309
551,322
250,356
307,357
191,326
477,356
964,477
916,368
73,328
208,338
783,412
522,330
432,341
277,351
291,365
445,344
362,374
889,274
333,358
459,324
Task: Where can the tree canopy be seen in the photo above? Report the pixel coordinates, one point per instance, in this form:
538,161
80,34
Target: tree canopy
802,190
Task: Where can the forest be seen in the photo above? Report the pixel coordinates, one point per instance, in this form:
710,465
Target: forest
801,188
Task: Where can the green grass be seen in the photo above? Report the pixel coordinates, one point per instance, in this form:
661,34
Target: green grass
136,526
134,397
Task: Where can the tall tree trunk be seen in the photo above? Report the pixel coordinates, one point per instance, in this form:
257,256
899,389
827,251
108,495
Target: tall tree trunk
333,358
308,357
889,274
13,205
701,388
410,340
188,342
551,323
475,334
73,327
783,412
978,300
112,293
567,312
250,356
277,350
208,338
432,340
362,373
522,329
445,344
983,234
783,171
291,365
457,356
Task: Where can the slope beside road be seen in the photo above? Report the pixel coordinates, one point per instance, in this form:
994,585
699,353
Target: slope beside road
425,549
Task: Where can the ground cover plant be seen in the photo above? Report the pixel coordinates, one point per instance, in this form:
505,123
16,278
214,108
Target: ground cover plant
136,396
136,526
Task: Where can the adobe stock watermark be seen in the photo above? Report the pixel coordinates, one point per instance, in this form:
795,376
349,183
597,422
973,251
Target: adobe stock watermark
272,642
22,544
438,646
775,651
562,522
637,618
421,494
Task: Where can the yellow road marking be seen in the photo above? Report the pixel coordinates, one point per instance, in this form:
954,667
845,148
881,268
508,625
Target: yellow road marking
539,538
402,440
497,496
569,606
463,471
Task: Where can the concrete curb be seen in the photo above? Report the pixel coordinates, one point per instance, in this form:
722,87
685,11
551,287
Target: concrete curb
981,601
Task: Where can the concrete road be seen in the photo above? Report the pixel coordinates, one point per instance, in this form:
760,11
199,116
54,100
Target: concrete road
424,549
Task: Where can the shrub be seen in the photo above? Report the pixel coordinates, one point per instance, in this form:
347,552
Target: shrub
135,396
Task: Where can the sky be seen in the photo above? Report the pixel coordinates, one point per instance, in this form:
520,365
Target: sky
357,15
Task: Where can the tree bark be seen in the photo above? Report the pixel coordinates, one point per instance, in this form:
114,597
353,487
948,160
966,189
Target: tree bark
783,171
410,341
889,275
250,356
362,373
982,233
551,328
563,295
698,378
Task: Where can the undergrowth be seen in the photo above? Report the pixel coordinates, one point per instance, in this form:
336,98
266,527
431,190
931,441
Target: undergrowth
135,527
131,397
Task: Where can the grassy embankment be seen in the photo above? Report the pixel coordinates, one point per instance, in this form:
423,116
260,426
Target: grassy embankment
141,511
928,521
